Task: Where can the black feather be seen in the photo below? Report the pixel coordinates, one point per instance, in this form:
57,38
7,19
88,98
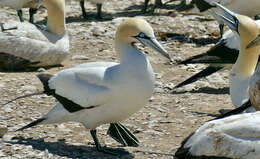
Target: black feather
36,122
202,5
202,74
220,53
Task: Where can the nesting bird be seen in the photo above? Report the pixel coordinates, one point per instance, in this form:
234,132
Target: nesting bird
235,136
19,4
106,92
24,45
250,8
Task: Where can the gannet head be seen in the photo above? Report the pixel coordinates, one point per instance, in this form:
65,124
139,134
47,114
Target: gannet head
246,27
134,30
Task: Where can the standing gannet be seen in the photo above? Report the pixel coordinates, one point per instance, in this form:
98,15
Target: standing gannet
105,92
24,45
236,136
19,4
98,4
250,8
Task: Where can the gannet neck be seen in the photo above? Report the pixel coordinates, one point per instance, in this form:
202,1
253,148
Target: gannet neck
56,16
246,62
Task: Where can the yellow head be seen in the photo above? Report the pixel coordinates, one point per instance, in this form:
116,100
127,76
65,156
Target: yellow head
134,30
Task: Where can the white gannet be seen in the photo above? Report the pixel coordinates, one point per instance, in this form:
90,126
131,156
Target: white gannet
24,45
234,137
19,4
250,8
105,92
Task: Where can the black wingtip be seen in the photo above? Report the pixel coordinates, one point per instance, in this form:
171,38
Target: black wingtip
202,5
36,122
202,74
238,110
44,78
183,153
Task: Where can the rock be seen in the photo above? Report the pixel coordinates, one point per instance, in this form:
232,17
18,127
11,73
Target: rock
41,70
158,90
29,88
3,131
79,57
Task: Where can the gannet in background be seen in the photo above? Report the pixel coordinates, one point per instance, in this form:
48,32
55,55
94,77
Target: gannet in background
157,3
24,45
19,4
250,8
234,137
220,57
105,92
98,4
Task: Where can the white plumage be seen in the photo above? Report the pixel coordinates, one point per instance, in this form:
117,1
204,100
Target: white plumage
46,47
105,92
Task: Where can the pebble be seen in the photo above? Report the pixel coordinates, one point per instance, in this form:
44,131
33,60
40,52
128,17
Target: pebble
3,131
79,57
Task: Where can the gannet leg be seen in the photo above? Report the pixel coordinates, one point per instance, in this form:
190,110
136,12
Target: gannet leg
221,29
32,11
98,145
145,6
20,15
122,135
84,14
99,11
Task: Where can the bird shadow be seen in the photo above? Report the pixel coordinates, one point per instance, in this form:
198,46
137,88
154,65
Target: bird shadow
63,149
205,114
29,69
206,90
170,37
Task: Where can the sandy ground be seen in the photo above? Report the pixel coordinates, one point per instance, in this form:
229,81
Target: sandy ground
164,121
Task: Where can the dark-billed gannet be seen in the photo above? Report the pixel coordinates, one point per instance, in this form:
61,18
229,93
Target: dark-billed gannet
24,45
19,4
105,92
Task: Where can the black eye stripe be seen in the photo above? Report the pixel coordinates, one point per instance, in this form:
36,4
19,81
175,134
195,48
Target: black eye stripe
143,36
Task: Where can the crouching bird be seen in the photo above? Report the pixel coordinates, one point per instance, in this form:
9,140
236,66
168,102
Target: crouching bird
98,93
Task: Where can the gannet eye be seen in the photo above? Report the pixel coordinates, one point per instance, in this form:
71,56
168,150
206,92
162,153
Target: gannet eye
142,35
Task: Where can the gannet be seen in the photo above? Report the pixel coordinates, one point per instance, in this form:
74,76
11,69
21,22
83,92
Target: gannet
24,45
220,57
157,3
234,137
19,4
250,8
105,92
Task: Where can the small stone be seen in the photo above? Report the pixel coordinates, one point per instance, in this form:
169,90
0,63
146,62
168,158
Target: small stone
41,70
158,90
79,57
3,131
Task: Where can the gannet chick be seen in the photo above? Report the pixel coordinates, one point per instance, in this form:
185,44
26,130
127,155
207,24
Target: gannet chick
24,45
250,8
233,137
105,92
19,4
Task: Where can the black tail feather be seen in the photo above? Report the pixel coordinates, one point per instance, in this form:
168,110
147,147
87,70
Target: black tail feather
44,78
219,54
204,73
122,135
36,122
238,110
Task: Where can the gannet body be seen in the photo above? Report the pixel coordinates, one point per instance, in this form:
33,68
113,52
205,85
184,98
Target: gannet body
19,4
233,137
105,92
24,45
